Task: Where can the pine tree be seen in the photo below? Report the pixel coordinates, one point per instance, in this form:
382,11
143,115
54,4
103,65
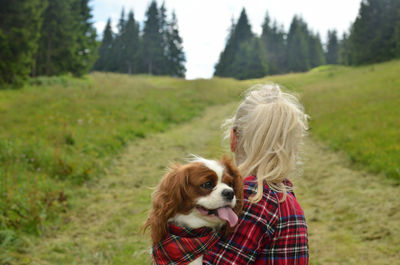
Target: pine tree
250,60
85,43
131,43
227,55
390,20
364,32
152,42
297,46
20,23
158,50
164,28
316,52
372,35
175,54
68,39
243,28
105,49
240,33
332,52
397,38
273,38
117,63
345,50
57,43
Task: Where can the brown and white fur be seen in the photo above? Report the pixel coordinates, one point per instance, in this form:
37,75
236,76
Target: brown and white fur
193,194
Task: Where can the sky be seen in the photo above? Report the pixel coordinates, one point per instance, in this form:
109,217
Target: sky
204,24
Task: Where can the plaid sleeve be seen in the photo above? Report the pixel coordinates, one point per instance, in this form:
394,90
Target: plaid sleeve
255,228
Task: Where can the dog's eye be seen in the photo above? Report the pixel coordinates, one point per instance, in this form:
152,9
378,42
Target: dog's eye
208,185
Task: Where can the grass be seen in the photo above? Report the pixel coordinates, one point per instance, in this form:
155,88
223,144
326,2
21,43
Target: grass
103,225
355,110
352,215
58,135
62,132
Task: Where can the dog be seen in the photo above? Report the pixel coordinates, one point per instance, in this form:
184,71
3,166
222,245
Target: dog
203,194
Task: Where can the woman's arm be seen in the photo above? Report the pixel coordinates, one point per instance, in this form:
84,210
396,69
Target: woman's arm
254,230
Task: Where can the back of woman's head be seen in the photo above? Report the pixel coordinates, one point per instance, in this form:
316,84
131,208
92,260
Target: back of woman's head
269,126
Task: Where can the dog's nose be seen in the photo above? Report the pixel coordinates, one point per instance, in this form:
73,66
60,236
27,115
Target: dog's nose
228,194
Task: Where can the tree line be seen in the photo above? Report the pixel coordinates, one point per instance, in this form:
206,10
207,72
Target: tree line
274,52
373,37
157,50
45,37
375,34
54,37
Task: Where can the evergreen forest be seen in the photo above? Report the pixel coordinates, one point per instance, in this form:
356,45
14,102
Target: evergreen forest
155,50
373,37
57,37
43,37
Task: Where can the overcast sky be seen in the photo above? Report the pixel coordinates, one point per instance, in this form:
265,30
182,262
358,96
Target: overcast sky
204,24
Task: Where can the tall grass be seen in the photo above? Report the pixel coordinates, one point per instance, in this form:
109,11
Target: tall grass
61,132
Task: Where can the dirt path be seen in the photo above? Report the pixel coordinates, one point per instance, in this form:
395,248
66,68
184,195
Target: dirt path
353,217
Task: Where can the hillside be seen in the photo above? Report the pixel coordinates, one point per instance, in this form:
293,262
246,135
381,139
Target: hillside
355,110
103,225
60,135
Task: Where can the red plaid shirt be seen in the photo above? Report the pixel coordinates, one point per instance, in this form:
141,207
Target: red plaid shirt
268,232
183,245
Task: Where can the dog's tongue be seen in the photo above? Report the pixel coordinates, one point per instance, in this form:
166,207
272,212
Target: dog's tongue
227,214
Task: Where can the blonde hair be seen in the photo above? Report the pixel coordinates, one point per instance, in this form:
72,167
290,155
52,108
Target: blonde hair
269,125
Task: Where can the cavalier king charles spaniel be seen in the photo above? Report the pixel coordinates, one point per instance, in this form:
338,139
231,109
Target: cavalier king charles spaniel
202,193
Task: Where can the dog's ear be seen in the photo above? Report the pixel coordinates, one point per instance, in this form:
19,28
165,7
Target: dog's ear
170,192
237,182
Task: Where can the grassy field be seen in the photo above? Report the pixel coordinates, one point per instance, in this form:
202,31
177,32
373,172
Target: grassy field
355,110
352,215
59,135
62,132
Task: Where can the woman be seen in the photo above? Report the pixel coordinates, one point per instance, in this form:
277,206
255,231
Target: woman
265,135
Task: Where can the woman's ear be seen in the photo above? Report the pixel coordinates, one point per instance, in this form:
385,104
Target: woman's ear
233,140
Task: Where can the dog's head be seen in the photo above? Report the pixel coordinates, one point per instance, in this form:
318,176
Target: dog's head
205,192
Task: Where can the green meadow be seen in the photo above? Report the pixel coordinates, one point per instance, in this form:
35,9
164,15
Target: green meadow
355,110
61,137
59,133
